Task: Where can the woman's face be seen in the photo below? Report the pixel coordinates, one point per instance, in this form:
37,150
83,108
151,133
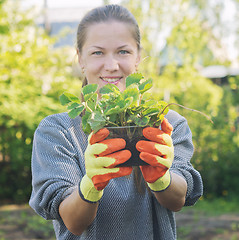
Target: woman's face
109,54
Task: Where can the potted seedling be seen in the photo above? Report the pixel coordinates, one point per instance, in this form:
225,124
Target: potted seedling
123,113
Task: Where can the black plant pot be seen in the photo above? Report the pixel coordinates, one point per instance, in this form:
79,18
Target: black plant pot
131,134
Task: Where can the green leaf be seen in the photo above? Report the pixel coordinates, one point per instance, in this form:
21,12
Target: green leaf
114,118
162,104
73,105
76,111
113,110
89,88
151,112
117,106
92,102
109,88
151,103
91,96
140,121
66,98
72,97
145,86
165,110
158,121
133,79
131,91
105,97
85,125
126,103
161,117
97,121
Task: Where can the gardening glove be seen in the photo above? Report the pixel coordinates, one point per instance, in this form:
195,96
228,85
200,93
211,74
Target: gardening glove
159,154
101,157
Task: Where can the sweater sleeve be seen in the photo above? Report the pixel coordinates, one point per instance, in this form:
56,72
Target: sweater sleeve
183,152
55,167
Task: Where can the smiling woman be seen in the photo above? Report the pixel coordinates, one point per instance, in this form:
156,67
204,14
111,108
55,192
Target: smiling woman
112,49
79,181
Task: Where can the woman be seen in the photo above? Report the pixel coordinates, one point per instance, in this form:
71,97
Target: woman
86,201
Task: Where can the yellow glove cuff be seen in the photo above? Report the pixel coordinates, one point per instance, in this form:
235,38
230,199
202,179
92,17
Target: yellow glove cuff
161,184
88,192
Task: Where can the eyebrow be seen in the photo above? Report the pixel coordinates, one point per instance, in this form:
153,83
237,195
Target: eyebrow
123,46
97,47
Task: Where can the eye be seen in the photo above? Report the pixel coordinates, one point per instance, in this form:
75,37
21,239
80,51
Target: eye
97,53
124,52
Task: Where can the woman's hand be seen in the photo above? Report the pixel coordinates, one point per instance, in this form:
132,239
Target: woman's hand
159,154
101,157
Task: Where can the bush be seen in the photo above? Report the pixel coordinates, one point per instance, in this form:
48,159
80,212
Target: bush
33,74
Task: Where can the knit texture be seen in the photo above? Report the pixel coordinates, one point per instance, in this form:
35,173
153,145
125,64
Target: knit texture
124,213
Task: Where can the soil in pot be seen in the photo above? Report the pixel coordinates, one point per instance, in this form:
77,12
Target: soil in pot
131,134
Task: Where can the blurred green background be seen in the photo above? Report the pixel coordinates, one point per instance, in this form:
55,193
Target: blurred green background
180,40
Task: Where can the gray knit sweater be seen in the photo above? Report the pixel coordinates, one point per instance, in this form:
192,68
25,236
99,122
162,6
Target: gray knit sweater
123,213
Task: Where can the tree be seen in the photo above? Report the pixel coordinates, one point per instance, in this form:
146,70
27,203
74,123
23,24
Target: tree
33,74
190,43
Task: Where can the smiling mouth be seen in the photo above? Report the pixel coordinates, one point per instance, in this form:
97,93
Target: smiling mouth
113,80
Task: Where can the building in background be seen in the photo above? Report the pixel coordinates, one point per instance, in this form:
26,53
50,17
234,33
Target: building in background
62,22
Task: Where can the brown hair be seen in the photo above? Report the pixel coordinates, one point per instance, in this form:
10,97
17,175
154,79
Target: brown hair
104,14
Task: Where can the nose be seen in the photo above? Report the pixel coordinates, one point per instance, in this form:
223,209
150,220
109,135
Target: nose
111,64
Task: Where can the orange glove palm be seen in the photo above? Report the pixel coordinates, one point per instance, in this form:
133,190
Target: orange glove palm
159,154
101,157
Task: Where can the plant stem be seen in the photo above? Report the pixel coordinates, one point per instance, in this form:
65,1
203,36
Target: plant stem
190,109
109,122
87,107
124,122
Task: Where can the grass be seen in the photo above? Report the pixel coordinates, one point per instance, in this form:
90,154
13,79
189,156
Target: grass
25,224
215,207
210,219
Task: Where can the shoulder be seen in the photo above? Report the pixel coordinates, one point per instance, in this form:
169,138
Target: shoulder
60,128
60,121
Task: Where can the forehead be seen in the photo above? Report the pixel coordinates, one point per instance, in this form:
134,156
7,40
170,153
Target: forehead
110,32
